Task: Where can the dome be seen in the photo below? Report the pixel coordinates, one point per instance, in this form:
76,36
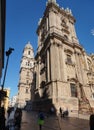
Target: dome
28,45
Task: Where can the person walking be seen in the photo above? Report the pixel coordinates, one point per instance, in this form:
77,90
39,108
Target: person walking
18,118
10,119
40,119
60,111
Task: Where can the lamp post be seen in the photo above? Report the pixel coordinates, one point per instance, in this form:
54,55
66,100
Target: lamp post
7,54
2,92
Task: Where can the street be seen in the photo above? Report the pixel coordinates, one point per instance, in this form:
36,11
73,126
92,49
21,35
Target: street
29,122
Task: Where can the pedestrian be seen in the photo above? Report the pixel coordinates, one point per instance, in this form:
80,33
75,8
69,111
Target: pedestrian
40,119
9,111
60,110
52,111
10,120
17,118
2,118
91,122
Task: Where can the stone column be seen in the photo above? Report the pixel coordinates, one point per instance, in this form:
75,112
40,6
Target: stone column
82,72
85,59
77,66
39,71
48,65
52,67
78,90
38,74
57,61
61,62
47,23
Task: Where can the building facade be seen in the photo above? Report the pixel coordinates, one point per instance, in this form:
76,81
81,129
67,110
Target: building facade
2,33
26,76
13,101
5,100
64,72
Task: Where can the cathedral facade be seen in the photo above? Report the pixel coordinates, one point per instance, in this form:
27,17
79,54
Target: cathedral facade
63,72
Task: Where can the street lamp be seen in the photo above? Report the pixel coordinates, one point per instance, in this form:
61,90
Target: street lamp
7,54
3,93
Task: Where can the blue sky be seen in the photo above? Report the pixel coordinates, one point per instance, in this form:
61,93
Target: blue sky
22,18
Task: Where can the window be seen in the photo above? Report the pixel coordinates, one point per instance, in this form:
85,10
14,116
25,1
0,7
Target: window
73,90
93,95
27,90
27,81
69,59
28,52
28,63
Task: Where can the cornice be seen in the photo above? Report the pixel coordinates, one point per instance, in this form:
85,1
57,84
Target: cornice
53,35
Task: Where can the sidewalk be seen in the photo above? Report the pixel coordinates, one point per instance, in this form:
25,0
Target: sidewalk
29,122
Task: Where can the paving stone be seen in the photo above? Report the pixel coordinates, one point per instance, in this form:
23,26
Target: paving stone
29,122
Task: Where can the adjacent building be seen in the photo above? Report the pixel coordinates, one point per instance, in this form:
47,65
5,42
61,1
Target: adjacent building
2,33
5,100
13,101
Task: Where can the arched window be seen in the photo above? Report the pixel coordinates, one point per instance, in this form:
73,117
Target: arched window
27,90
27,81
29,52
69,60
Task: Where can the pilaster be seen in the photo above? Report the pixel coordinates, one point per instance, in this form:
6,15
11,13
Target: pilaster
52,53
48,65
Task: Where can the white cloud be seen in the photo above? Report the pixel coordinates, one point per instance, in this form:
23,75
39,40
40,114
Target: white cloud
92,32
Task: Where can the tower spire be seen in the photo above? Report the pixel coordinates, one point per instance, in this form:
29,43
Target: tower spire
51,1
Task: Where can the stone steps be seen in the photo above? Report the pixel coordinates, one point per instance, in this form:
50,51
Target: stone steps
84,107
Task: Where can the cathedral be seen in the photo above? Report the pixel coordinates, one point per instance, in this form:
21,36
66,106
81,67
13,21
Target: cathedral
62,74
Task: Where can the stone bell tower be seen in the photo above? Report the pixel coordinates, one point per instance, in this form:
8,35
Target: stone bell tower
26,75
